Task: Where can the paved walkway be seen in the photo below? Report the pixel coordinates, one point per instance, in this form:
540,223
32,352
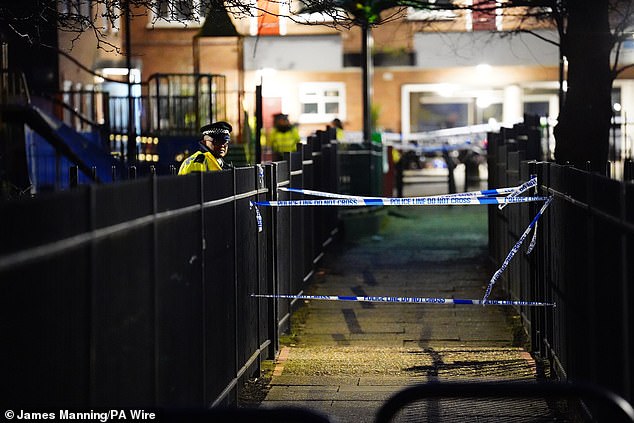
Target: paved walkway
346,358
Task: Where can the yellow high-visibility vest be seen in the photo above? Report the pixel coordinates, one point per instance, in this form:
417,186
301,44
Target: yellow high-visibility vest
199,162
284,142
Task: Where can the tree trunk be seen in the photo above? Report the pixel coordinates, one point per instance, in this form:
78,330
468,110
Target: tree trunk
583,127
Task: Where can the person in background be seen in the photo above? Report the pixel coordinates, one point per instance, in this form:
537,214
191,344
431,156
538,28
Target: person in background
336,123
214,146
283,137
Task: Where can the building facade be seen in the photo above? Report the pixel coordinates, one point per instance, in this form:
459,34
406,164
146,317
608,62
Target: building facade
432,70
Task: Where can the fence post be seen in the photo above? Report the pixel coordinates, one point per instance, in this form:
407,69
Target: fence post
73,176
628,170
270,176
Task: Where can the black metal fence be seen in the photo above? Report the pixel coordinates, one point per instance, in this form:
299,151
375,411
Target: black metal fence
583,262
139,292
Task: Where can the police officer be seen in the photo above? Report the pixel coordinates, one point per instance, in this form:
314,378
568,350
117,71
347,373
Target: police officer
213,147
283,137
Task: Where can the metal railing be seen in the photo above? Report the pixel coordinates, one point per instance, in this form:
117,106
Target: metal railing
140,292
582,262
14,89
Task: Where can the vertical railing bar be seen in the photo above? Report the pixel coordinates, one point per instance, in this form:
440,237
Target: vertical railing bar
625,299
236,325
155,288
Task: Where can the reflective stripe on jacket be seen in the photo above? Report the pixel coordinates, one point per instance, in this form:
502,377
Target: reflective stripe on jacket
199,162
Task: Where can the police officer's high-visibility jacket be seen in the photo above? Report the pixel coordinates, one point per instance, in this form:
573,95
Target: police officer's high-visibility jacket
200,161
283,142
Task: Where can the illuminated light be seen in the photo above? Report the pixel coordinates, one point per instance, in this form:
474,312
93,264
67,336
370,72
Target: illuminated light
617,107
484,101
117,137
115,71
564,86
483,68
155,140
155,157
142,157
112,137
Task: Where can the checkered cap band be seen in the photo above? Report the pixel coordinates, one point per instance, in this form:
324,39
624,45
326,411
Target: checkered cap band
216,131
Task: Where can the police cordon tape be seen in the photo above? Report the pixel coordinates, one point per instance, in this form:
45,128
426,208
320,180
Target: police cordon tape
515,249
520,190
468,198
406,201
484,193
406,300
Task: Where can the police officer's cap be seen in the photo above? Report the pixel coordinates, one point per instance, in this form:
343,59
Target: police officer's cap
216,128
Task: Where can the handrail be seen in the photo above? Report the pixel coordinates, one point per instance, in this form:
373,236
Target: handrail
13,86
548,390
75,113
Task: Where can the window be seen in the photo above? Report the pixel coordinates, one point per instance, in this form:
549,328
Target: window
110,15
297,7
414,14
179,13
322,102
485,16
79,8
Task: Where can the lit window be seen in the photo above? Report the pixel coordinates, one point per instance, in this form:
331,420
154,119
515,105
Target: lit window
322,101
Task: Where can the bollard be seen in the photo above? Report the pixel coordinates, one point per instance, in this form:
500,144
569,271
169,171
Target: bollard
113,171
132,172
152,170
93,173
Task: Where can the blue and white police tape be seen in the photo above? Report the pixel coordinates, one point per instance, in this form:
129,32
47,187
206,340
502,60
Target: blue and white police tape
434,148
258,216
406,300
521,189
483,193
515,249
407,201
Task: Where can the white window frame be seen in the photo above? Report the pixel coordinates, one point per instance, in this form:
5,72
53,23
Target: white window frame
414,14
321,87
309,18
157,21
